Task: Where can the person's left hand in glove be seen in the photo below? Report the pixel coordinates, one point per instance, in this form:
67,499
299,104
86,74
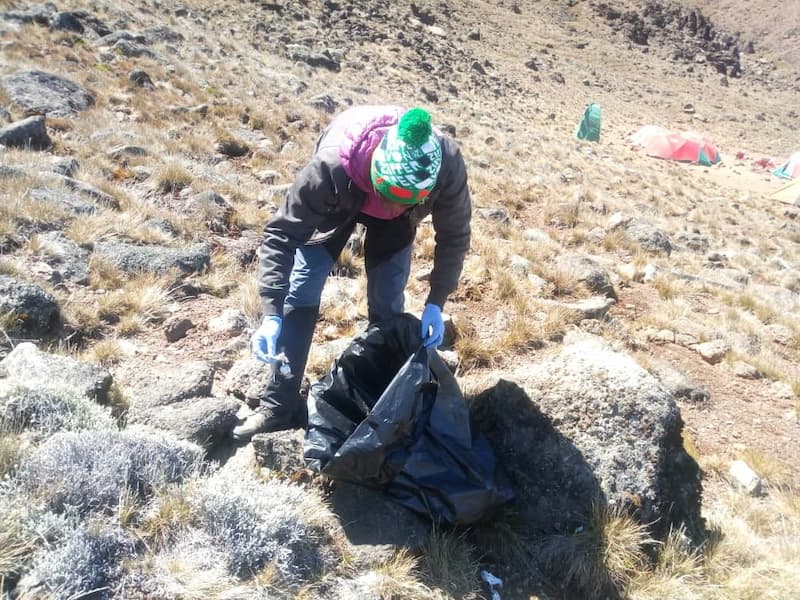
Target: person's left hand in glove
432,326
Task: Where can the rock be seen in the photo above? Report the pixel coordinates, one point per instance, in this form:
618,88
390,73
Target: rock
45,93
85,189
65,166
595,307
742,475
231,322
617,220
745,371
123,151
205,421
175,328
40,370
677,382
325,103
141,79
498,214
244,247
589,273
168,385
712,352
696,242
325,59
267,176
66,21
232,147
374,525
134,50
519,265
212,209
113,38
132,259
780,334
538,236
161,34
246,380
648,237
29,133
591,425
68,201
26,309
281,451
65,256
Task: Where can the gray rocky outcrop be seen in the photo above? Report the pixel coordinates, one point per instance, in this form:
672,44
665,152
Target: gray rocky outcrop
132,259
68,260
28,133
648,237
45,371
246,380
589,273
204,421
374,525
46,93
168,385
590,426
68,201
281,451
678,382
26,309
84,189
212,209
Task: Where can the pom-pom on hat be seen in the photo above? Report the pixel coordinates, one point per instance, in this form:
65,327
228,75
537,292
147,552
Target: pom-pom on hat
406,162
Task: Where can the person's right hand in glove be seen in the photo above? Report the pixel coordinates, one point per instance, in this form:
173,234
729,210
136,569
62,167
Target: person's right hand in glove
264,342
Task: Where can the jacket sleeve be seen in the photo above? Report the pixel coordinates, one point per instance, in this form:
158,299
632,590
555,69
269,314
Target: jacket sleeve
451,214
308,201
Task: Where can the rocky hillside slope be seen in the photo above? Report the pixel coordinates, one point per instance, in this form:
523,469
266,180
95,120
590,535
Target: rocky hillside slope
620,319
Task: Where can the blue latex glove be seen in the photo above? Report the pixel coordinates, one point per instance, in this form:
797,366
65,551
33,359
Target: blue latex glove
432,326
265,339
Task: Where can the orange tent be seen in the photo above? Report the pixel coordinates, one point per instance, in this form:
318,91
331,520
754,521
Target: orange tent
688,146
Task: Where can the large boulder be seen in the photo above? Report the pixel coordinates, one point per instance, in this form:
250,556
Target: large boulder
204,421
45,93
27,133
43,371
152,389
26,309
591,427
132,259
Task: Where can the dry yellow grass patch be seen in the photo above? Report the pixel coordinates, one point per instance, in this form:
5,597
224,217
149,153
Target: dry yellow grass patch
146,296
607,554
173,177
449,565
224,275
249,299
105,352
170,513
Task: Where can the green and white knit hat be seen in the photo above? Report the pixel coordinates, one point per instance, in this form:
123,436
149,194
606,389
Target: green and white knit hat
407,161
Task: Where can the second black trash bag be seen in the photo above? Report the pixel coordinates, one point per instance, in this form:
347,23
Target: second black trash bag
390,415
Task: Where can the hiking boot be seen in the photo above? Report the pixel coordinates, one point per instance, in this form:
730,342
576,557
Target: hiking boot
264,420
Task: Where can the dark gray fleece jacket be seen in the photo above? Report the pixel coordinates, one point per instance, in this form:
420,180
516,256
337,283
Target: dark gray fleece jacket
323,200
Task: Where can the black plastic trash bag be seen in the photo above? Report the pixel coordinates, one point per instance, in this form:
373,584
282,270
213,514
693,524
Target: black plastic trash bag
390,415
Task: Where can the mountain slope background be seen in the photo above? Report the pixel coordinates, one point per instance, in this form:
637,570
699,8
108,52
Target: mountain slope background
204,112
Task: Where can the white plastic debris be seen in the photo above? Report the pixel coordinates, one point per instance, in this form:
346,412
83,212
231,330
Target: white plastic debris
745,477
493,582
281,362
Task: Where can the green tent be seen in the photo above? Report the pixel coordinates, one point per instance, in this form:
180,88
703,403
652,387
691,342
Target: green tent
589,127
